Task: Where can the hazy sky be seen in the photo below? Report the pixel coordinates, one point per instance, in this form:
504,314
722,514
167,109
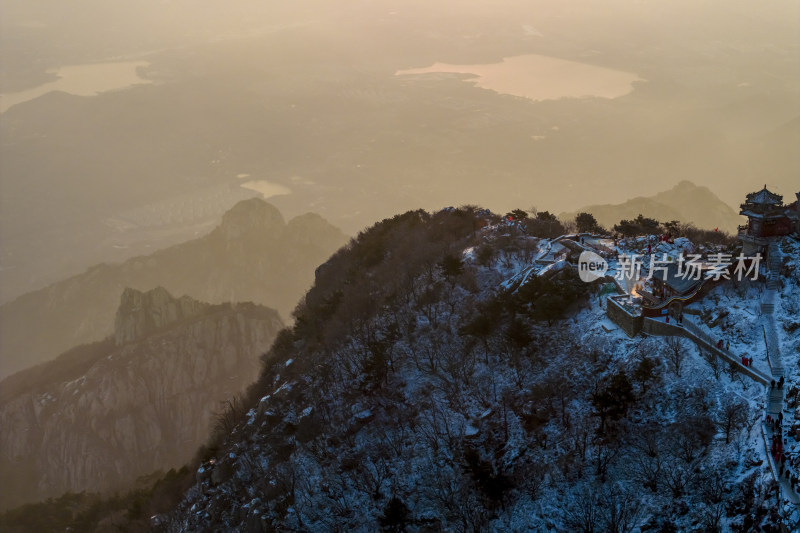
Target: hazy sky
302,98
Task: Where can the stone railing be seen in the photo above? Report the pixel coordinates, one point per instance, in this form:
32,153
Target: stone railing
688,330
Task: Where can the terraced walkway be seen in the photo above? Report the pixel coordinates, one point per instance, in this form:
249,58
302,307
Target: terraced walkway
693,332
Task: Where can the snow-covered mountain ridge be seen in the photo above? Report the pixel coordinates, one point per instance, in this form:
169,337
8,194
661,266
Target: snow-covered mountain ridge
417,392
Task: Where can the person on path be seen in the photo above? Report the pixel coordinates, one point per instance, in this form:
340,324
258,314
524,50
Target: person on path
772,384
727,345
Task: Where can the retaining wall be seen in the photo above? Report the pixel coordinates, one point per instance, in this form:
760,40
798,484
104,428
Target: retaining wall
630,324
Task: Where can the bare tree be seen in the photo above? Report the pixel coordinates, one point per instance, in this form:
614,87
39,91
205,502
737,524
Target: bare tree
605,453
676,477
372,473
456,498
582,514
711,516
690,437
609,509
533,476
579,434
675,352
712,487
713,361
646,470
731,416
457,370
428,303
621,509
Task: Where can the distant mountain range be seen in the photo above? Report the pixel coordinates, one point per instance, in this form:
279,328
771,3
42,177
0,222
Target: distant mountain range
685,202
103,414
253,255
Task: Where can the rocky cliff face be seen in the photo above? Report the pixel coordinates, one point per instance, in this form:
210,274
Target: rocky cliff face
143,313
146,402
253,255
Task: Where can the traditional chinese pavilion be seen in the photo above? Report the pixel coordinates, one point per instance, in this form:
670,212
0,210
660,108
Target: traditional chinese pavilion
767,217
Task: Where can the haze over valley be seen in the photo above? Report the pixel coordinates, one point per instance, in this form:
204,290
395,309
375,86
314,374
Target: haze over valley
307,98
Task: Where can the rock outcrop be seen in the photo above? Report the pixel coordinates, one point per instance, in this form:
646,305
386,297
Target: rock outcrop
143,313
140,402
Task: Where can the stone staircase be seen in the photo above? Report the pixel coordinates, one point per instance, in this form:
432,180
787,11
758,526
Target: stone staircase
773,346
770,295
768,301
774,402
774,265
775,395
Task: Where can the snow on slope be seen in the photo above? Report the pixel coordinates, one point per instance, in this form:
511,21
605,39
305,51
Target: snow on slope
518,425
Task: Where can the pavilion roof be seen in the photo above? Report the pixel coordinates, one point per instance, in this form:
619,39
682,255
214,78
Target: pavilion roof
764,197
768,214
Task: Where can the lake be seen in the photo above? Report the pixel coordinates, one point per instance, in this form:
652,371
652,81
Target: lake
267,189
538,77
81,80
